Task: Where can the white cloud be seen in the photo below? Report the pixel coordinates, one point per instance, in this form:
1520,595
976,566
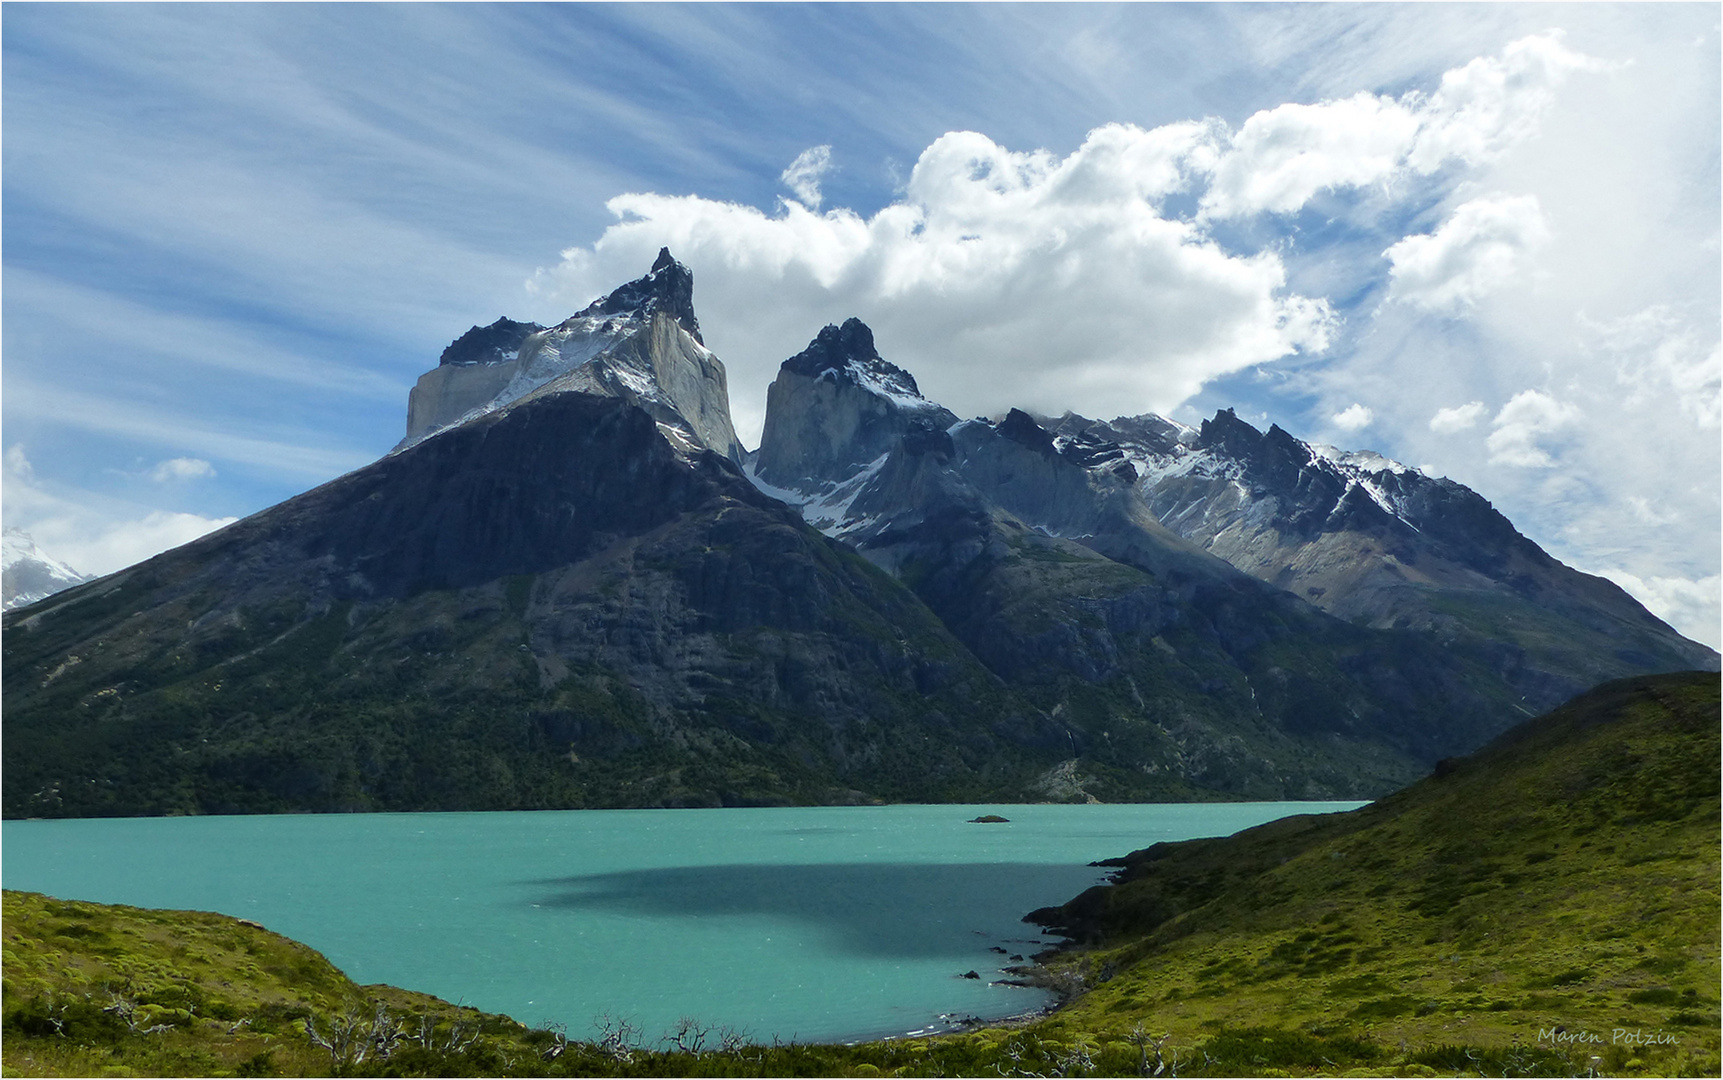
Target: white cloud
998,278
1281,157
118,545
1458,419
1354,417
1485,244
1660,357
182,468
1692,606
1490,104
803,175
93,533
1524,425
18,465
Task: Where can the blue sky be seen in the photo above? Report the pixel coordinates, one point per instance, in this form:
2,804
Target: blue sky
1483,240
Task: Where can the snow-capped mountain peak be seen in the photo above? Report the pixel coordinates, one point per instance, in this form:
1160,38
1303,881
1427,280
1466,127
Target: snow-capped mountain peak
27,573
667,287
640,343
835,407
846,355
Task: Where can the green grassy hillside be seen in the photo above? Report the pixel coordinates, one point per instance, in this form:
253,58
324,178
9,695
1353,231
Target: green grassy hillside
1558,886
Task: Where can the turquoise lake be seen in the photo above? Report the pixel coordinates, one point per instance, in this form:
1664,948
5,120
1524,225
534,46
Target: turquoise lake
812,924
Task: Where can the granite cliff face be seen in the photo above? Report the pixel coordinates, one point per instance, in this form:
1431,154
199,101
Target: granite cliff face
836,407
640,344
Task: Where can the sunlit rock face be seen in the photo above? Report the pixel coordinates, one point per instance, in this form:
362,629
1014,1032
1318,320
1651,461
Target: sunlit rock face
641,344
836,407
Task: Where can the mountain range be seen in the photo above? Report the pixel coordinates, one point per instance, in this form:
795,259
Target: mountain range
571,586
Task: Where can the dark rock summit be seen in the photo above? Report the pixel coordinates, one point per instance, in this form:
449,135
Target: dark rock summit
494,344
848,354
667,287
837,405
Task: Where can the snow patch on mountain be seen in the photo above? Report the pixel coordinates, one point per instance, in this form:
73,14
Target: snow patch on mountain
884,380
1365,461
828,507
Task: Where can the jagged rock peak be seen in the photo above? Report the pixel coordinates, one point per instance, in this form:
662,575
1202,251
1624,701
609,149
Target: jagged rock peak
847,354
1020,427
1228,432
667,287
497,343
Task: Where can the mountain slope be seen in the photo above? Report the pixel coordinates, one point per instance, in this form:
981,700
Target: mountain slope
550,605
570,597
1564,878
1162,660
1380,544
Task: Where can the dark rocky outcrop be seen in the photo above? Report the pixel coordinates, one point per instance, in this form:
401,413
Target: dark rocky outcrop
667,287
493,344
1386,546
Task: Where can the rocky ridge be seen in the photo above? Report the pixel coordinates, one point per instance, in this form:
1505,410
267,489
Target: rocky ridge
1379,543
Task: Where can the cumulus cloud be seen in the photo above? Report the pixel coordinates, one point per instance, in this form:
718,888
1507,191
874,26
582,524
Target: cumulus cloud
94,533
1354,417
803,175
1659,356
1458,419
1694,606
1485,244
1281,157
182,468
999,278
1524,426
